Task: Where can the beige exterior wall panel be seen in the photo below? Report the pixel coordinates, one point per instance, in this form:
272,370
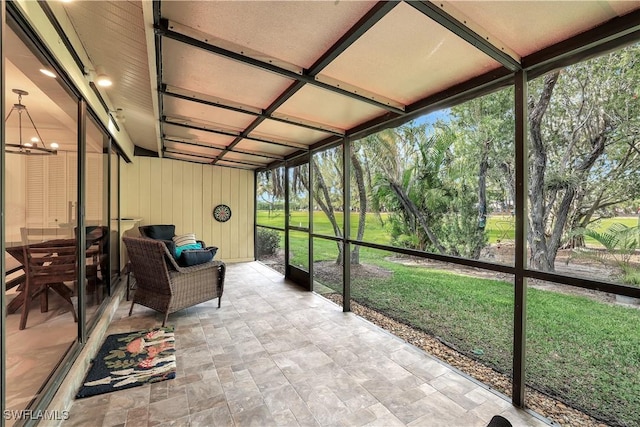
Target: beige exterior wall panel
164,191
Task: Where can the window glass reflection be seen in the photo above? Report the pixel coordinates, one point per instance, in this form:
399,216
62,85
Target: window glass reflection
96,218
41,202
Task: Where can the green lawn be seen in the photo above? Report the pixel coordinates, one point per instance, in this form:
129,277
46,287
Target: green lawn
499,227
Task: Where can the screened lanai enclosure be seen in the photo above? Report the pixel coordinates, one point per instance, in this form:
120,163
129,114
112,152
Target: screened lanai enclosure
466,171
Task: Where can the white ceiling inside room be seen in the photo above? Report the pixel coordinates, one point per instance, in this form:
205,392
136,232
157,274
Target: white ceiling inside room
248,83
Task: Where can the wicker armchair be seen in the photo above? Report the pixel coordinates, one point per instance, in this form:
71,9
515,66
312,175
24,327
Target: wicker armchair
165,286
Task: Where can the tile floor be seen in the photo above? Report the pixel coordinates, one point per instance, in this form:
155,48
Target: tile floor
275,355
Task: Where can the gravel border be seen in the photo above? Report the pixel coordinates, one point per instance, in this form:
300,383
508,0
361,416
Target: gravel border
540,403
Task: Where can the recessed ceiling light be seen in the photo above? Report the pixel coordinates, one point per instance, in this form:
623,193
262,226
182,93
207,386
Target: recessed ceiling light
102,79
48,73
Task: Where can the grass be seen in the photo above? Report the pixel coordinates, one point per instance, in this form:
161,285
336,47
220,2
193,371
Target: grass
584,351
499,227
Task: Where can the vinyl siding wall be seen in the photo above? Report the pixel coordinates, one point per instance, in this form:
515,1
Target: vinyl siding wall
164,191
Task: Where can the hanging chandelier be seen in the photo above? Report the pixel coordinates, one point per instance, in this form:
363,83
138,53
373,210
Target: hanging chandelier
31,147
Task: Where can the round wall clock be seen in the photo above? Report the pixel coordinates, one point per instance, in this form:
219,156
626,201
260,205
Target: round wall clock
222,213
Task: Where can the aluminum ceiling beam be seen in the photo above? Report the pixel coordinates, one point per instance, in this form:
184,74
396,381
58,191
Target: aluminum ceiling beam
177,140
200,156
166,90
461,30
239,137
609,36
157,16
148,16
172,156
164,29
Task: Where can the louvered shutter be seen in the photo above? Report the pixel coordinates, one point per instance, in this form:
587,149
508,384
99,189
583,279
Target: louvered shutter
35,200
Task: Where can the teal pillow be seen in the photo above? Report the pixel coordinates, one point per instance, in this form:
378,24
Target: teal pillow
179,249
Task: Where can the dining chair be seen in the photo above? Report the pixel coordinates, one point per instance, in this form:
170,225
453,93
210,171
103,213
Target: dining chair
48,265
97,256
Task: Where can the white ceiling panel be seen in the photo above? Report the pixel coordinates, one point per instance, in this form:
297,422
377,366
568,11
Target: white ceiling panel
192,68
286,132
407,57
529,26
320,105
246,158
263,147
235,165
286,28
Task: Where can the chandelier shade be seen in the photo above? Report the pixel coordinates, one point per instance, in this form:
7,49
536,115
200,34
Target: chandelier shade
31,147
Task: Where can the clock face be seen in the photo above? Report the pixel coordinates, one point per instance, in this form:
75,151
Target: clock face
222,213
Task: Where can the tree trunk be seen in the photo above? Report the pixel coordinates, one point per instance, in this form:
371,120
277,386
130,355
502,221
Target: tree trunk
539,256
482,195
323,199
509,177
362,194
597,148
369,186
544,249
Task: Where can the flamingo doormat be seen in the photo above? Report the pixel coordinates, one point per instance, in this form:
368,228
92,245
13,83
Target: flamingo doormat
131,359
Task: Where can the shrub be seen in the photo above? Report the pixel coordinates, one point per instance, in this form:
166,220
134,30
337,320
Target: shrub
630,275
268,242
620,242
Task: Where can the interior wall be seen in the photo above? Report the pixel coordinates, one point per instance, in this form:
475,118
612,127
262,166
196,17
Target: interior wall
15,196
164,191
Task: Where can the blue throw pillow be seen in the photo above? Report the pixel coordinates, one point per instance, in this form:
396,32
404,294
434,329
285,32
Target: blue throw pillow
192,257
179,249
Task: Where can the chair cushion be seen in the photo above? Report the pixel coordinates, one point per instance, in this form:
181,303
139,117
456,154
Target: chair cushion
160,232
180,249
191,257
185,239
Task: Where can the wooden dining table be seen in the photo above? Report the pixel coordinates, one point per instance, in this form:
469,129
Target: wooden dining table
14,262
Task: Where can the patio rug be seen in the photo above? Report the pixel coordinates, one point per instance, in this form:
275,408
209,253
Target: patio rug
130,360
